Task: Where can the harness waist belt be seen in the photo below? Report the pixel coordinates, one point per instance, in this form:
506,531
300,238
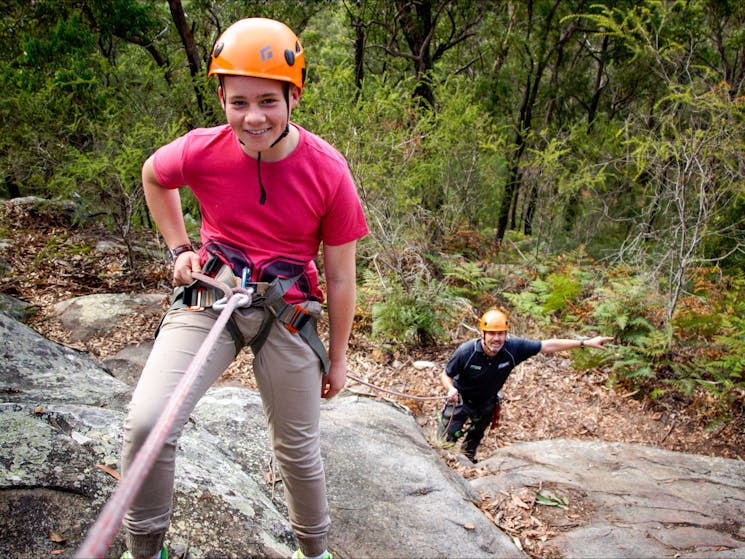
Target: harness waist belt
269,296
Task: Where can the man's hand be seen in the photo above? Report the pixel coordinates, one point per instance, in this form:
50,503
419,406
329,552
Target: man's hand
598,342
453,395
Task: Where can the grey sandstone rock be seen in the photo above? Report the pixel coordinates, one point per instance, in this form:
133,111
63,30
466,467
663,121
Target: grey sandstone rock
36,370
127,364
645,501
92,315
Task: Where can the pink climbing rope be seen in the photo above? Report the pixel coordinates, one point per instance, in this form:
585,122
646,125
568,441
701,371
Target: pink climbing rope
100,536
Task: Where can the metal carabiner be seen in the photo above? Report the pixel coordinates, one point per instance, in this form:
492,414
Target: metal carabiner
244,300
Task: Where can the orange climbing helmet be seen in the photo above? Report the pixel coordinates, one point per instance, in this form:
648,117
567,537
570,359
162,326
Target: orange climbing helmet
262,48
494,320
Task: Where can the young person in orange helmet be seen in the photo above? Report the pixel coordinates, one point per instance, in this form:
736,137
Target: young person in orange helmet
477,371
270,194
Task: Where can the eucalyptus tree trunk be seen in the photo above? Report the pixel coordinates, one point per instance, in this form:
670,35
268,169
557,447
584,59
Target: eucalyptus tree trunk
190,46
539,50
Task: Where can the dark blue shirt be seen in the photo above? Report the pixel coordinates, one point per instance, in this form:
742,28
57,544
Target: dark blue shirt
479,377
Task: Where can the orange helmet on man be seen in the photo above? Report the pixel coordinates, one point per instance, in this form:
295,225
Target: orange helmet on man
261,48
494,320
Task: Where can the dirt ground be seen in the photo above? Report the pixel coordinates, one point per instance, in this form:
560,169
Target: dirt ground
44,260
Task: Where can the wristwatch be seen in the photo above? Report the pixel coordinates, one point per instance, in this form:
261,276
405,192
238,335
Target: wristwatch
175,252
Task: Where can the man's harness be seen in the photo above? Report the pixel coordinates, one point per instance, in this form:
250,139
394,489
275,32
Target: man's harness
268,296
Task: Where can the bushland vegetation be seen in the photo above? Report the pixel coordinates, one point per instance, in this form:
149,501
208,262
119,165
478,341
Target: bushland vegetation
578,163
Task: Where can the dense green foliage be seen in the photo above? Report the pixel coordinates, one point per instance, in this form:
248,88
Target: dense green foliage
579,163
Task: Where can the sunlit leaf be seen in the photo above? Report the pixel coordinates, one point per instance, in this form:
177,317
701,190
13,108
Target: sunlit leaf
551,500
113,473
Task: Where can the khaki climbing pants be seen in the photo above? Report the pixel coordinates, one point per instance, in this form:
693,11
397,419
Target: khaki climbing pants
288,374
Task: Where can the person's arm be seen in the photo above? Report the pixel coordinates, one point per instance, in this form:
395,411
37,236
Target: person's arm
447,382
165,207
341,297
553,345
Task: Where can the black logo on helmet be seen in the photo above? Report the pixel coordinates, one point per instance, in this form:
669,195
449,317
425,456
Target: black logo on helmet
266,53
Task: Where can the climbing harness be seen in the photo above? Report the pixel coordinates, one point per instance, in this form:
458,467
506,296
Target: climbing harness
100,536
449,409
295,318
268,296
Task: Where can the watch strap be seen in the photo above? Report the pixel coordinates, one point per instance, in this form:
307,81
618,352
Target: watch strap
175,252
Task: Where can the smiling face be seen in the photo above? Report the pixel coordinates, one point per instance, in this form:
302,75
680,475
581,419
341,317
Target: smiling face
256,110
492,342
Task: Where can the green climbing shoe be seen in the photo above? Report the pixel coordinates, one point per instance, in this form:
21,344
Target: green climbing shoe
299,555
163,554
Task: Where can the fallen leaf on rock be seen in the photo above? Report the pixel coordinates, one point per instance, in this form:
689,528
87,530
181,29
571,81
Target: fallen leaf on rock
551,500
55,537
112,472
61,425
469,526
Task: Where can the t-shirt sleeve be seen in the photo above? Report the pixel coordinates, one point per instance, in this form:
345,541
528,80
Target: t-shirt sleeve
524,349
169,163
345,220
455,365
451,369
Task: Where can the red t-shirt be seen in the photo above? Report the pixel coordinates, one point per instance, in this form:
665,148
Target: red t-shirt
310,198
